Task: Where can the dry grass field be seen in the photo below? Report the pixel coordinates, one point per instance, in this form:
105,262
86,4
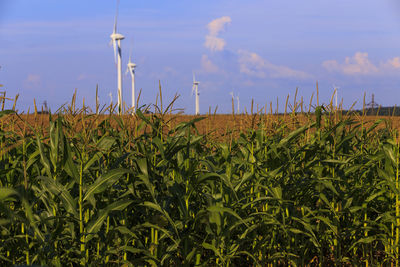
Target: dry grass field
219,126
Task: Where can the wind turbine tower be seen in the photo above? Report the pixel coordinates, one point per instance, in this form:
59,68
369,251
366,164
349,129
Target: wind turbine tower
116,41
131,70
336,94
195,90
237,101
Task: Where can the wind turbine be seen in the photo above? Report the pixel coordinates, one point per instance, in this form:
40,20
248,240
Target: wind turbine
195,90
237,100
110,95
116,41
97,104
131,70
336,93
233,99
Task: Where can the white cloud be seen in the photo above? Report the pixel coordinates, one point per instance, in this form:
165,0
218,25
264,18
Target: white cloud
253,64
215,27
33,80
360,64
215,43
393,63
250,63
208,65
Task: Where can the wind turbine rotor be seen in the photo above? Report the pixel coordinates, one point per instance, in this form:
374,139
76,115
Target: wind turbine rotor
336,95
131,69
131,66
130,55
116,19
194,80
115,50
193,89
116,36
113,39
128,70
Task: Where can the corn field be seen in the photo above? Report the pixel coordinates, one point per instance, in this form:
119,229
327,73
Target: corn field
145,193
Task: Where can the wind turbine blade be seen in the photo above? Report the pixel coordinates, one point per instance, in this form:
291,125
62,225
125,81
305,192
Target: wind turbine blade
129,70
116,18
115,50
194,78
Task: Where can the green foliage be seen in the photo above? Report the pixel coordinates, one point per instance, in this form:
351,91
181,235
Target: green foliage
324,194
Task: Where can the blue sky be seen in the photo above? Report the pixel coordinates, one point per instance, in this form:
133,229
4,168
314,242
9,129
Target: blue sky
257,49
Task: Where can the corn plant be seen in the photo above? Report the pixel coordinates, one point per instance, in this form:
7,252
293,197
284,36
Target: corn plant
96,189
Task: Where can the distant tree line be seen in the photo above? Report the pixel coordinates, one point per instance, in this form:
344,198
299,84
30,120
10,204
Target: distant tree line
381,111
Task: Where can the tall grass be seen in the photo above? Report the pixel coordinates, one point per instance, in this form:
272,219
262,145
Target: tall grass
93,189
